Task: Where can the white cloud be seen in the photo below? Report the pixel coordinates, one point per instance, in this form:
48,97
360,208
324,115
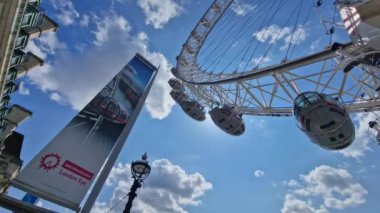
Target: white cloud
260,60
242,9
55,97
35,49
272,33
258,173
67,12
45,45
294,205
107,25
22,89
41,77
49,43
260,125
159,103
291,183
84,21
315,44
361,143
362,171
81,47
168,189
298,36
159,12
89,71
335,187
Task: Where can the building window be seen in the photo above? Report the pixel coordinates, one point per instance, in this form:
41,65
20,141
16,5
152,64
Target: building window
10,76
9,89
20,41
26,19
2,104
4,101
15,61
16,58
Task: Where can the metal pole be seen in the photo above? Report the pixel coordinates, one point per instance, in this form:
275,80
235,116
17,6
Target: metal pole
131,195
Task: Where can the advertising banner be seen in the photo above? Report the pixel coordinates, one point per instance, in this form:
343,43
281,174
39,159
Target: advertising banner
65,169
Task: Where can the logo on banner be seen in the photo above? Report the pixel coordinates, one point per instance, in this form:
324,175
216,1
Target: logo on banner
50,161
68,169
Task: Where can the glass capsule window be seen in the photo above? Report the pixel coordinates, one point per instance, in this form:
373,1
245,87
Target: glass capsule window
306,99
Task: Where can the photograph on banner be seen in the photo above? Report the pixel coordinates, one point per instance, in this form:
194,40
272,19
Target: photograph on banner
103,119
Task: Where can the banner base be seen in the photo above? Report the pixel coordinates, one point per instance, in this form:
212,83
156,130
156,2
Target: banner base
16,205
37,192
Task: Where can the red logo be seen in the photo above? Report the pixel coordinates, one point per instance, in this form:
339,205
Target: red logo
72,167
50,161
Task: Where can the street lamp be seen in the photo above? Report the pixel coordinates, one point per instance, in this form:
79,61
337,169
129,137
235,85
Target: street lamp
140,171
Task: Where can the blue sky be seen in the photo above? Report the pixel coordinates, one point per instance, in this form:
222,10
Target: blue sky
196,167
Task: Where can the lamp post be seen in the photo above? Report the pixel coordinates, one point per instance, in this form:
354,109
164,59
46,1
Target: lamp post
140,171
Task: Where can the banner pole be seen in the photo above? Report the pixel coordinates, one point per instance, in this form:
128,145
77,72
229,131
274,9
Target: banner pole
114,153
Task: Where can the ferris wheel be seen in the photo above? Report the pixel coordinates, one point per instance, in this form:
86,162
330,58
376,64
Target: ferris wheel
283,58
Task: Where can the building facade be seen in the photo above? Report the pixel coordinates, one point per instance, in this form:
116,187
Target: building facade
20,21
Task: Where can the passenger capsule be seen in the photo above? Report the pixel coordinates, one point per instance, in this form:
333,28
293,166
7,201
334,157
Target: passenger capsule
193,109
228,119
374,125
178,96
324,120
176,85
